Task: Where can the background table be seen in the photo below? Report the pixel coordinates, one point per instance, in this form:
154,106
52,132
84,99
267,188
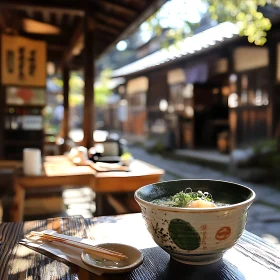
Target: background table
251,258
59,170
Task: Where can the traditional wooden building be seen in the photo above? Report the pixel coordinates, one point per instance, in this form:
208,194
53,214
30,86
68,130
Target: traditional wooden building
215,86
72,35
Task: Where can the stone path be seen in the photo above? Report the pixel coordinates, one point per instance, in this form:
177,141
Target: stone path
263,215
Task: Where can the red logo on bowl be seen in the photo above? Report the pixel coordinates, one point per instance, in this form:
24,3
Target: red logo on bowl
223,233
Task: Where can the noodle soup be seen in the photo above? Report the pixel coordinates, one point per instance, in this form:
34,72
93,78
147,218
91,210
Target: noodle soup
195,221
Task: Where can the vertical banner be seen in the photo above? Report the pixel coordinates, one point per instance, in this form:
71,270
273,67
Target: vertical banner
23,61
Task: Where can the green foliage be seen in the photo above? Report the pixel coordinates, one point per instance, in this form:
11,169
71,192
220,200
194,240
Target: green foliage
266,146
58,82
157,147
102,90
173,35
76,85
245,14
267,154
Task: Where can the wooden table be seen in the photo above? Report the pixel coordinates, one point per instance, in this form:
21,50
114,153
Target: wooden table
59,170
251,258
10,164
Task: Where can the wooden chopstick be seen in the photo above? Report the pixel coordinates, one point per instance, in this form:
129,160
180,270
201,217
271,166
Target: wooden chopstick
102,167
95,250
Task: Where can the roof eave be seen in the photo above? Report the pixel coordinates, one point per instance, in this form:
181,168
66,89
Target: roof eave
179,59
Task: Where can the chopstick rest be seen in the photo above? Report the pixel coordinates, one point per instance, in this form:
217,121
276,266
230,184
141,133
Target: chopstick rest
90,249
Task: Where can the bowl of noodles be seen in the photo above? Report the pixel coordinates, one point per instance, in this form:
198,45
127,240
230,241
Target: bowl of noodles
195,221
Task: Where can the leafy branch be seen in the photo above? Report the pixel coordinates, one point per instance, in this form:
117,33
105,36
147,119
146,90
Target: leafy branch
245,14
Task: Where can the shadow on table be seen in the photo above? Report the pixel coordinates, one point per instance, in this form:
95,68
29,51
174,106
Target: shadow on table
158,265
221,270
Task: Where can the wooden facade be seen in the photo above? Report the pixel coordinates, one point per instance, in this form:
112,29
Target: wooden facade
136,98
237,101
251,120
158,90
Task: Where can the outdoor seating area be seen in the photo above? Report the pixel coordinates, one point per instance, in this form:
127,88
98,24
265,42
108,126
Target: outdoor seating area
139,140
103,179
23,97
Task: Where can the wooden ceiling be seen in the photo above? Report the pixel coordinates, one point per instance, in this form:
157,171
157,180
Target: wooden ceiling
114,20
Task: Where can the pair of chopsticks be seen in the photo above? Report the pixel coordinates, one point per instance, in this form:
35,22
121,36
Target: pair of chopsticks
99,166
102,166
94,250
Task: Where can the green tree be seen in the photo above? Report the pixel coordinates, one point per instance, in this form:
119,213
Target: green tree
101,88
245,14
250,21
76,86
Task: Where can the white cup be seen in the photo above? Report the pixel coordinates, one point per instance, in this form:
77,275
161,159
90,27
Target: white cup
32,161
83,153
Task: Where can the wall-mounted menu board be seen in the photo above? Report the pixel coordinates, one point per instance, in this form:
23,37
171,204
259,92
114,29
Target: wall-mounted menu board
23,61
25,96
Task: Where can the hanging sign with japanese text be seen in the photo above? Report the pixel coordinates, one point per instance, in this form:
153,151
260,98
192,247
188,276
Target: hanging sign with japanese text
23,61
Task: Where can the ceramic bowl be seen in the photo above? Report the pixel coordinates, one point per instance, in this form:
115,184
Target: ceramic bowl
196,235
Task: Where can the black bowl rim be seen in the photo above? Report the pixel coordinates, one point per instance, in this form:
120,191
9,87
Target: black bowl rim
248,201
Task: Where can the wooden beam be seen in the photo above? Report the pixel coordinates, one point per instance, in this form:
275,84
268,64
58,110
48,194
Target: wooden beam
75,40
59,18
119,8
49,38
38,15
29,13
151,9
124,6
107,28
53,18
54,57
89,72
58,48
46,16
136,4
110,19
103,38
65,21
38,27
65,123
10,21
17,5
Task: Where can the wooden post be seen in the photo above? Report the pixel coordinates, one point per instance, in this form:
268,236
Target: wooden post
89,112
65,124
2,119
232,112
18,205
272,69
